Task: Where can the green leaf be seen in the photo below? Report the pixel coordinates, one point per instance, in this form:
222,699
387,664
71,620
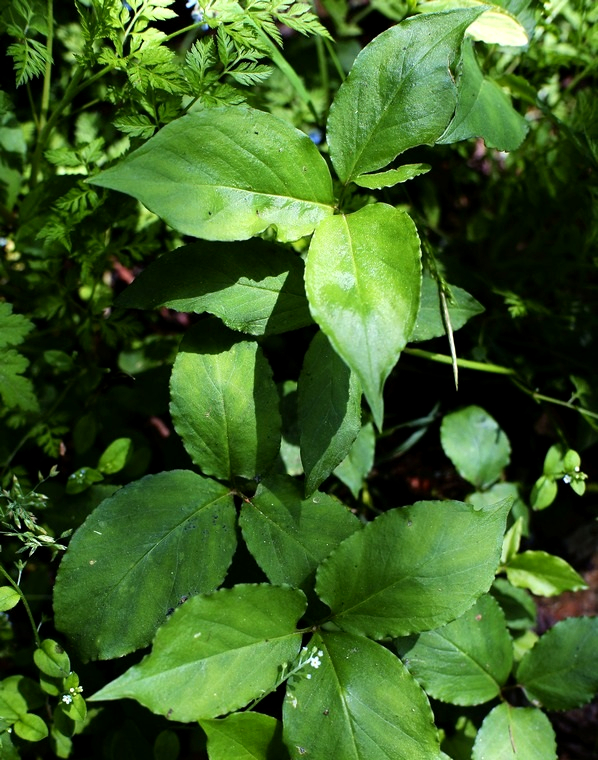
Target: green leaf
228,174
217,653
14,328
52,660
329,411
144,549
245,736
465,662
82,479
449,552
516,603
429,323
224,403
544,492
361,703
483,110
399,93
363,279
289,536
9,598
515,733
353,470
561,671
543,574
31,728
15,390
476,445
115,456
495,26
392,177
254,287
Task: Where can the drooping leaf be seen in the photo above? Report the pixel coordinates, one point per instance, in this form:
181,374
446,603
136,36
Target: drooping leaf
399,93
52,660
465,662
245,736
543,574
224,403
391,177
363,280
217,653
254,287
288,535
429,323
353,470
413,569
515,733
495,26
329,411
360,703
476,445
228,174
153,542
483,110
561,671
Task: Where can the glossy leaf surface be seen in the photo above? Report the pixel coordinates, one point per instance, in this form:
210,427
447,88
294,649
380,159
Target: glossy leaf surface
228,174
543,574
254,287
515,733
224,403
361,703
399,93
363,280
413,569
217,653
329,411
245,736
154,541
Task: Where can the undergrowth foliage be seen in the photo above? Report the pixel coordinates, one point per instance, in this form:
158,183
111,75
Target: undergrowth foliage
255,209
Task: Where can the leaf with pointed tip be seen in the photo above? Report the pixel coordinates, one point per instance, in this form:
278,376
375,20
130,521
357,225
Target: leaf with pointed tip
413,569
329,411
429,323
217,653
399,93
255,287
245,736
361,703
515,733
363,280
392,177
228,174
154,541
496,25
354,469
543,574
224,403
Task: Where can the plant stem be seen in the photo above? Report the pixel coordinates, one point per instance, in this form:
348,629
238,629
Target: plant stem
16,587
45,105
464,363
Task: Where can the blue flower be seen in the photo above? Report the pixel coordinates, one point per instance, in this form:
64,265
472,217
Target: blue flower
315,136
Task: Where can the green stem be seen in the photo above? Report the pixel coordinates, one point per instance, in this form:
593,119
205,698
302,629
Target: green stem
16,587
323,66
48,72
335,59
464,363
567,404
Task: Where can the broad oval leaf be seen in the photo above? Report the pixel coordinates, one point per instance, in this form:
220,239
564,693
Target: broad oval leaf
543,574
495,26
9,598
288,535
515,733
228,174
399,93
429,323
31,728
255,287
476,445
245,736
329,411
360,703
216,654
136,557
464,662
224,403
561,671
413,569
363,280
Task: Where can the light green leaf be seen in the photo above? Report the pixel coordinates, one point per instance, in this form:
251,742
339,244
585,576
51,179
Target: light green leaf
353,470
429,323
363,279
543,574
465,662
14,328
483,110
9,598
413,569
52,660
392,177
153,542
476,445
400,93
255,287
224,403
512,541
544,492
361,703
245,736
289,536
228,174
31,728
329,411
217,653
495,26
561,671
115,456
515,733
16,391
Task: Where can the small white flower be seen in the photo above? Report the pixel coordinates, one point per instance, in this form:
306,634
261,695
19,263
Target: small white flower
67,699
315,662
566,478
308,675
